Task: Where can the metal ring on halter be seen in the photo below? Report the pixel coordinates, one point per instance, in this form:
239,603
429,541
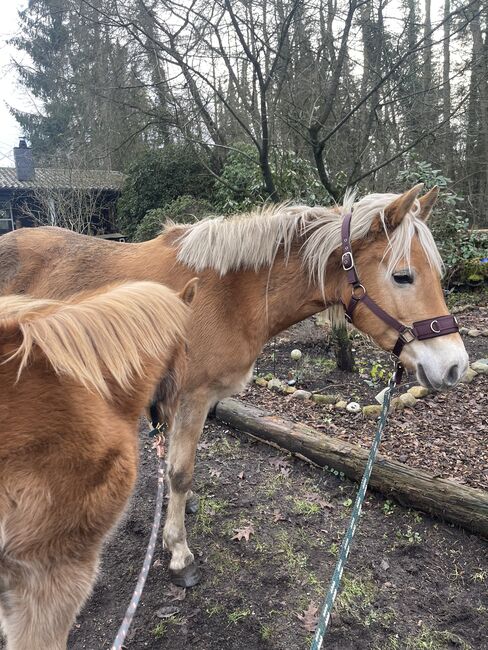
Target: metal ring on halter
358,286
436,331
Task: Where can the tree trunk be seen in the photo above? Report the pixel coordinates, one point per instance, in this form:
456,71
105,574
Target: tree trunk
342,346
443,498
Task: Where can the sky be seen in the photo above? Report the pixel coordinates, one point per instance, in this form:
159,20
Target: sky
12,94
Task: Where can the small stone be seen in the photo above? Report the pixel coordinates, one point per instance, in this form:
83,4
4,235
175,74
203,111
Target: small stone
302,394
408,399
418,391
474,333
341,405
261,381
469,376
463,330
324,399
396,403
289,390
353,407
484,332
480,366
372,410
275,384
296,355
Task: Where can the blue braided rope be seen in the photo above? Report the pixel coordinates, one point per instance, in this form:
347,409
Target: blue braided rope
141,581
324,617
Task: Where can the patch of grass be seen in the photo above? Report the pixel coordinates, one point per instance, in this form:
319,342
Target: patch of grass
304,507
208,508
313,366
266,632
428,639
238,615
223,562
214,610
276,482
356,594
162,627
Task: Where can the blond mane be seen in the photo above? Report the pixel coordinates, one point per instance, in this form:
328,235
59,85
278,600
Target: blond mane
112,331
252,240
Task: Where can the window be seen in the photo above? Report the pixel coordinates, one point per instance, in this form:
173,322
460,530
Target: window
6,221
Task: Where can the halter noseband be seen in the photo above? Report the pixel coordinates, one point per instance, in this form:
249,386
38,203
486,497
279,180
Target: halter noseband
421,329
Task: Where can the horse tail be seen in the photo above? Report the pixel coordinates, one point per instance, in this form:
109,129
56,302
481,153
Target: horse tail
109,333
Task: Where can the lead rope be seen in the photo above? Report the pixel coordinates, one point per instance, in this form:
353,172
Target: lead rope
324,617
141,581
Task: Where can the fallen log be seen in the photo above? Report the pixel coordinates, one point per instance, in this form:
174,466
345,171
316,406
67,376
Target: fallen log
444,498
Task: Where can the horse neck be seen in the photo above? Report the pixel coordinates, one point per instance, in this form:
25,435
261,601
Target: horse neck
290,294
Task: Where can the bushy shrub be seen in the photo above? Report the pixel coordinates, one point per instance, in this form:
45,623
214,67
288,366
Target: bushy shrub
157,178
184,209
461,249
295,179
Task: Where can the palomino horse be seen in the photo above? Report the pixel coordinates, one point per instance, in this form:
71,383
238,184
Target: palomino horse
74,376
259,274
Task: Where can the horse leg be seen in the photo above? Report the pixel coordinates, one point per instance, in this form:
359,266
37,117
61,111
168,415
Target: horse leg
39,608
181,463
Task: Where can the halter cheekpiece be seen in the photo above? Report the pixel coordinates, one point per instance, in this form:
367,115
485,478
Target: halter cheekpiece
422,329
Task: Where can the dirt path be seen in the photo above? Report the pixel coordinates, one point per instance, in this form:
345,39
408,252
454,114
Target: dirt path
411,582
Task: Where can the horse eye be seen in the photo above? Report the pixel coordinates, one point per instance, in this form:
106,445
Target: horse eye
403,278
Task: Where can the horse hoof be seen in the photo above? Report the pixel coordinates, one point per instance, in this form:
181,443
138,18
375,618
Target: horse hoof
187,577
192,503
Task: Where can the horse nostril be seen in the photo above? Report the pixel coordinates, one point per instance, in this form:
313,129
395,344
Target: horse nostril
452,375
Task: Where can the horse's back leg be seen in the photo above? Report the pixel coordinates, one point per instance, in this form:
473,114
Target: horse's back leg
181,462
38,608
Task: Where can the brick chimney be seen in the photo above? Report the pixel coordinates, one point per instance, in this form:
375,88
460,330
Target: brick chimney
24,163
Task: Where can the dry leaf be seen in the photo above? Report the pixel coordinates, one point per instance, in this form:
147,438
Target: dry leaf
215,473
243,533
175,593
309,618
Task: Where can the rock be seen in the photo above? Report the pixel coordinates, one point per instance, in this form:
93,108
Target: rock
474,333
290,390
261,381
275,385
480,366
469,376
372,410
324,399
341,405
463,330
302,394
353,407
484,332
418,391
295,355
407,399
396,403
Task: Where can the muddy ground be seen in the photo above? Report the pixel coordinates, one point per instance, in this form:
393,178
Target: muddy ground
411,582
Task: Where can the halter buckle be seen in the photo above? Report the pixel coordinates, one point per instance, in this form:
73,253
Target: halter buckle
407,335
347,261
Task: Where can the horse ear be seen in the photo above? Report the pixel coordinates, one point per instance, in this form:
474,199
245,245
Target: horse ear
398,209
189,291
427,202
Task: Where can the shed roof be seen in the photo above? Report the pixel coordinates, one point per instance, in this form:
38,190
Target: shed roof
47,178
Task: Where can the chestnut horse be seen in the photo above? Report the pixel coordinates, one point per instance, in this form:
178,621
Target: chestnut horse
74,376
259,274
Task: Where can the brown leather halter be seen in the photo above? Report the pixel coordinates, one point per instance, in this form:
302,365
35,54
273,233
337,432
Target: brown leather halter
422,329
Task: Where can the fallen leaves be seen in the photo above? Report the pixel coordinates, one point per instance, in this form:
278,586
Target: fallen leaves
309,618
243,533
175,593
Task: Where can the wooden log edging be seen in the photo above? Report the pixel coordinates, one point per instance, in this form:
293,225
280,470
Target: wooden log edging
444,498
